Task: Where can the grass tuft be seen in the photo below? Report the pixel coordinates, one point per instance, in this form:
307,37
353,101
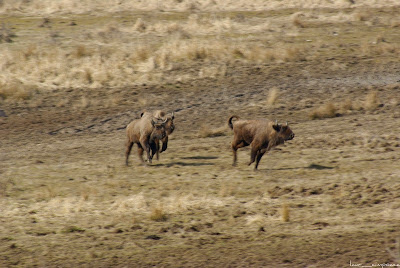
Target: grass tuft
158,214
372,101
273,95
285,213
327,110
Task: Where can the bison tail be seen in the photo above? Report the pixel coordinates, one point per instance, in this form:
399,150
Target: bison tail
230,124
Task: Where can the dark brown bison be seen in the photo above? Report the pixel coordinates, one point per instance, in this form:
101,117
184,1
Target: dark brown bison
144,132
261,134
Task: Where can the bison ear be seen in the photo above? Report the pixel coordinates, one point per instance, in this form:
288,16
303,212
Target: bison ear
277,127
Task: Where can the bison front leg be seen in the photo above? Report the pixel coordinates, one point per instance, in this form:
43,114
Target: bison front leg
258,158
128,151
146,146
154,146
253,154
164,144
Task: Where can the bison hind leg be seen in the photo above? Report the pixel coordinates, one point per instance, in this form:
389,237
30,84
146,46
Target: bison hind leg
128,151
235,146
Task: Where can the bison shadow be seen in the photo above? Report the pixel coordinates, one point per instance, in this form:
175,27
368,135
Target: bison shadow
200,157
311,166
184,164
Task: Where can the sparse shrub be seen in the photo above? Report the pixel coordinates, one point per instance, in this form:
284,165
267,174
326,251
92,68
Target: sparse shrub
395,251
14,89
297,20
273,95
88,76
285,213
347,105
140,26
45,22
80,51
237,53
29,52
158,214
141,54
327,110
207,132
72,229
362,16
6,34
372,101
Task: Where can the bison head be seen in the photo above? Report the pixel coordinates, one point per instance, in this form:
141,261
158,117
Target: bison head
284,131
169,124
158,129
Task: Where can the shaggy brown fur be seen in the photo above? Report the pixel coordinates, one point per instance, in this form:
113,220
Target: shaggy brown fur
169,128
144,132
261,134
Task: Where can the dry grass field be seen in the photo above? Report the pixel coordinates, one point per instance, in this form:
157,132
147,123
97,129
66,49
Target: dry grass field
74,74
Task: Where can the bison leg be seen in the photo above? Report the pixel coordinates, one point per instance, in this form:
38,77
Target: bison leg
146,146
235,146
154,148
254,152
258,158
164,144
128,151
140,152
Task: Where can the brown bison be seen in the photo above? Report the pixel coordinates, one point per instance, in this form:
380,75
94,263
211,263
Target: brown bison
169,128
144,132
261,134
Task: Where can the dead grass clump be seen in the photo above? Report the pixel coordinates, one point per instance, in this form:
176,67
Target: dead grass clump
372,101
14,90
285,213
88,75
140,25
141,54
238,53
394,251
273,95
158,214
327,110
6,34
347,105
362,16
197,53
80,51
207,132
30,52
177,32
111,32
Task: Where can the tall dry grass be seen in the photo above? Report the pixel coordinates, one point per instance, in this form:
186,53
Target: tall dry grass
40,7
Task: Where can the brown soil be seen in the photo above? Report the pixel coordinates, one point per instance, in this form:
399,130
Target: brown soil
69,201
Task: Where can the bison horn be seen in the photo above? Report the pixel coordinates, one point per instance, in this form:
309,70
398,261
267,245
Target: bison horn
172,115
276,122
165,121
287,124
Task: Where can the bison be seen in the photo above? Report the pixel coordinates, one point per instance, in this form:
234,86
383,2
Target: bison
144,132
261,134
169,128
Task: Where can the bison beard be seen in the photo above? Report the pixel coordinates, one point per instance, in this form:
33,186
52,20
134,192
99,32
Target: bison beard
262,135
